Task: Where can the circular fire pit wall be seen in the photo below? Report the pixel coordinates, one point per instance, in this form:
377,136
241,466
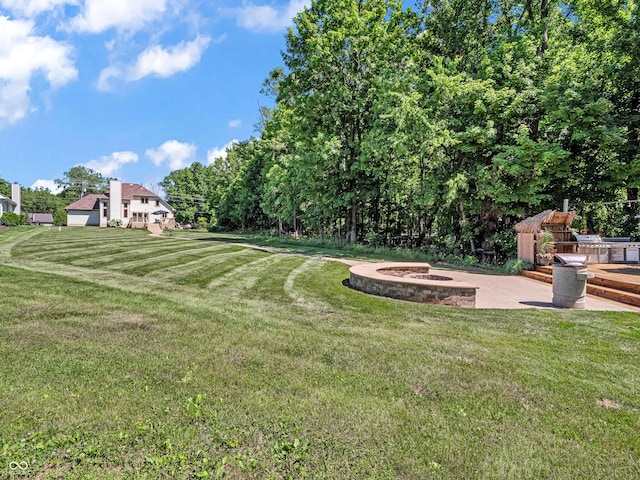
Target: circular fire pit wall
412,282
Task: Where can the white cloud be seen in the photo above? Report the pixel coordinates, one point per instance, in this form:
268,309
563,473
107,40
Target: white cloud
98,16
219,152
164,63
47,184
22,56
111,164
32,8
157,61
266,18
176,154
235,123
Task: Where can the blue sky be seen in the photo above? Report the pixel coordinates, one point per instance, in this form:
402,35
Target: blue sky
131,88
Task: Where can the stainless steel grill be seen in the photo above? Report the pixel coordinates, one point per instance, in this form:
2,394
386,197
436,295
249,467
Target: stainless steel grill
595,248
623,250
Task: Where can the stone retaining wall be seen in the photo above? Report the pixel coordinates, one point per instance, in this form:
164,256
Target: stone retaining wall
368,279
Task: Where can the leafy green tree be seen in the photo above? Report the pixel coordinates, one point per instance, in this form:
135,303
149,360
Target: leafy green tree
79,181
334,57
5,187
240,204
41,200
445,127
188,191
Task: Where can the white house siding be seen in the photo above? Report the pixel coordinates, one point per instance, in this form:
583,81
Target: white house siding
83,218
6,205
138,207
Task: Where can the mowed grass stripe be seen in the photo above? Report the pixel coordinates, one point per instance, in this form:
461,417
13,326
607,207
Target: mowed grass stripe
270,283
169,260
92,235
141,253
79,253
57,246
309,268
8,239
214,267
185,267
65,238
245,276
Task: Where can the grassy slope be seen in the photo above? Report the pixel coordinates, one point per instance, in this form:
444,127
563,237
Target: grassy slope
253,365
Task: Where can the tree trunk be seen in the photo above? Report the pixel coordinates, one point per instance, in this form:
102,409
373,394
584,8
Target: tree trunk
464,223
544,23
353,230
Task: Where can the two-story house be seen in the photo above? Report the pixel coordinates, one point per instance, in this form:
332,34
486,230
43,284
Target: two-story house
131,203
11,204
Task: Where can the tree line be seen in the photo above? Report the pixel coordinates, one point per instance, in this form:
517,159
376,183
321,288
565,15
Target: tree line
437,126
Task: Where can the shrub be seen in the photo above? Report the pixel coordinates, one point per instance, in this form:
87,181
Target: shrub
373,238
202,223
60,217
516,267
115,223
10,219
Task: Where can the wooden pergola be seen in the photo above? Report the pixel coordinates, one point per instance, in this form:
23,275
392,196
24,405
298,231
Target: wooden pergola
530,228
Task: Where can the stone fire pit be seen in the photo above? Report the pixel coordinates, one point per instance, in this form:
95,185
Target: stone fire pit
412,282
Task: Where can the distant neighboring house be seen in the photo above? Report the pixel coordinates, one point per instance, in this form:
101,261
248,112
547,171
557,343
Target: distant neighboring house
130,203
44,219
11,204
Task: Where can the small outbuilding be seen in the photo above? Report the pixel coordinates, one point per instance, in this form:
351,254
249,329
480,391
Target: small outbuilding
530,230
44,219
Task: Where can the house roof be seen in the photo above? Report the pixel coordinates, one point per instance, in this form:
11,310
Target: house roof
130,190
548,217
41,218
88,202
7,199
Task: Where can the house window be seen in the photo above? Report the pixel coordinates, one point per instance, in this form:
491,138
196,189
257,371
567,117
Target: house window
157,203
144,200
105,211
126,211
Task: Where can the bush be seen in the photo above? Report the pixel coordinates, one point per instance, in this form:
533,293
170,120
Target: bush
516,267
374,239
10,219
60,217
114,223
202,223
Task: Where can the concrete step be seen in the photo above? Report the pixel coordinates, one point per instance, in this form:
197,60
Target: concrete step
154,228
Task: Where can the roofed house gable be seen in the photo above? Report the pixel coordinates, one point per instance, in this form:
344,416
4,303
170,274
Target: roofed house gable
128,203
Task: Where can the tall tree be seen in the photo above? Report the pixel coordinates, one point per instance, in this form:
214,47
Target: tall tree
334,56
188,191
5,187
79,181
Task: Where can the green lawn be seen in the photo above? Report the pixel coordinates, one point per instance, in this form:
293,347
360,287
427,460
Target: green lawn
124,358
